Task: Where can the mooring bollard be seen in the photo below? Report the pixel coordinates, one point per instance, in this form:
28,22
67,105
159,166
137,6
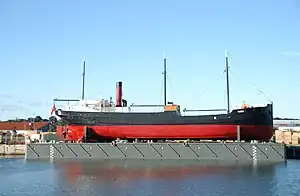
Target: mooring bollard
238,131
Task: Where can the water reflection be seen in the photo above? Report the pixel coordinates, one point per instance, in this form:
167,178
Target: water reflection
167,177
122,171
121,177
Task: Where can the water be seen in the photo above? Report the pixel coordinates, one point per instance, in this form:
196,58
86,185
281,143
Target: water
19,177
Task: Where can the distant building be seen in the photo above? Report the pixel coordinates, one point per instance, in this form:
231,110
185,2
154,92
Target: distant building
287,124
25,125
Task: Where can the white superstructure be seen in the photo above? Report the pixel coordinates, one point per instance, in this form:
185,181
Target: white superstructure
95,106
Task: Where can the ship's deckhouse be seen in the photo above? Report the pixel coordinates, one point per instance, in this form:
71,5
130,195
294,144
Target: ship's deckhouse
172,108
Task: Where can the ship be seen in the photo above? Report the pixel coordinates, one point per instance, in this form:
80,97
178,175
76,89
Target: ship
105,120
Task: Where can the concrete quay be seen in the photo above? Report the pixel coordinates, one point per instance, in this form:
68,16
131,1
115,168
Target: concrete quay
9,150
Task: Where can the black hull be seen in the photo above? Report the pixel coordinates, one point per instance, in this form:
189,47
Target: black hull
259,116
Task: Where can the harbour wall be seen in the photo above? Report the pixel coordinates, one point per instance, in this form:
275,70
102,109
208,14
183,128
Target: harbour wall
293,151
12,150
261,152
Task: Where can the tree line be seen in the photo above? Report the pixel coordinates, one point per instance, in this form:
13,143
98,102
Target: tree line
30,119
52,120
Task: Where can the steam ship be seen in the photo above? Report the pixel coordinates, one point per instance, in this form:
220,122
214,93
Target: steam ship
108,121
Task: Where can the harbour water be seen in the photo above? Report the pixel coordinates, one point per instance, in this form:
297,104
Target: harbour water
119,177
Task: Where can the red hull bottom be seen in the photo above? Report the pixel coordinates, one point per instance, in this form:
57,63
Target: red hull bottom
229,132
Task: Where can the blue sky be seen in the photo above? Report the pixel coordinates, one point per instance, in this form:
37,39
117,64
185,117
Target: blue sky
43,44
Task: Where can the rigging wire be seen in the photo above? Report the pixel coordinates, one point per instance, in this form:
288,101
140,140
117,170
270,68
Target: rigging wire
232,90
169,84
161,90
225,99
209,87
261,92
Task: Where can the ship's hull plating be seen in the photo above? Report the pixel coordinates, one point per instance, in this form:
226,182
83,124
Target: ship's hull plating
209,132
255,124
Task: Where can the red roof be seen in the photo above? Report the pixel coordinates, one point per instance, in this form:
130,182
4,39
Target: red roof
22,125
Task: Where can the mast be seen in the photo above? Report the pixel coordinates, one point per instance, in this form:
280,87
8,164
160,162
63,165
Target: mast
227,82
83,79
165,80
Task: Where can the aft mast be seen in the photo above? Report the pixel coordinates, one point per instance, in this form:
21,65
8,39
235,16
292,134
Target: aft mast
165,80
227,82
83,79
